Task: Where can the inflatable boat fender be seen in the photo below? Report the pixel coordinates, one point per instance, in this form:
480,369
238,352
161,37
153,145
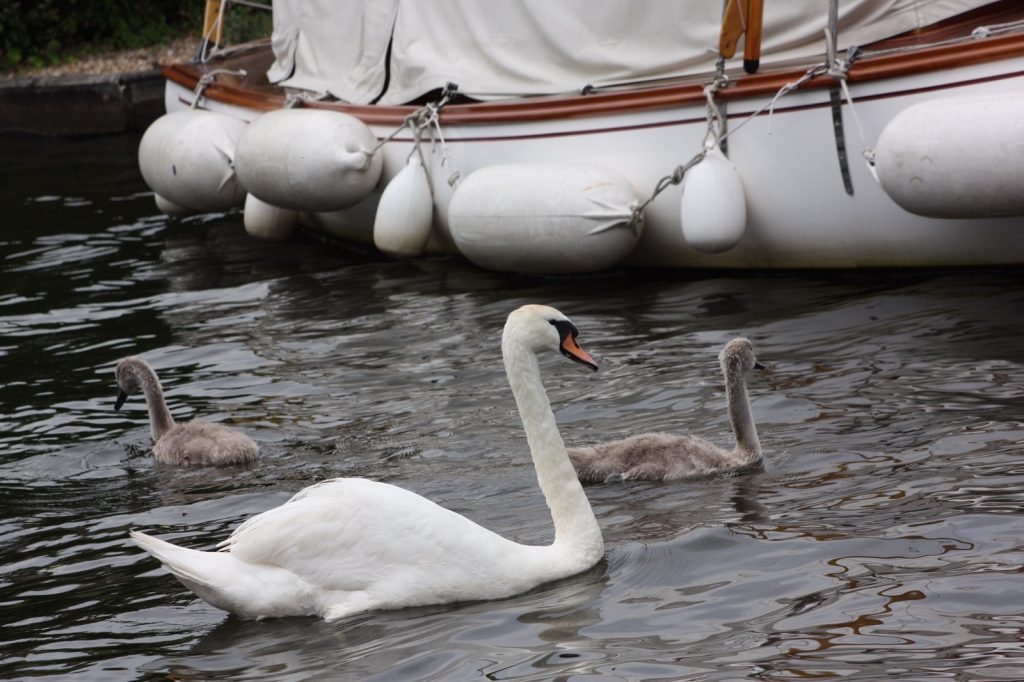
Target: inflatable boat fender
308,160
264,221
170,208
405,212
541,218
713,208
187,159
956,157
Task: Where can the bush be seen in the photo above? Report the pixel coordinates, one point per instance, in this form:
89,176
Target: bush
43,32
243,23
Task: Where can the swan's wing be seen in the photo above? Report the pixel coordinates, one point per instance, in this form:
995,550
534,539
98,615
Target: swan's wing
349,534
250,527
265,524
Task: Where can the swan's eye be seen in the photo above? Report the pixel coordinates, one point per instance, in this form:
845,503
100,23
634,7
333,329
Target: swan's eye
565,328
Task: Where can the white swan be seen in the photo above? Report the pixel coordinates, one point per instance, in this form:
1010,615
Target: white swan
193,443
349,545
664,456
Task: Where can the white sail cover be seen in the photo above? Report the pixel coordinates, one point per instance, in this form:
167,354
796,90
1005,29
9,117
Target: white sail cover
500,48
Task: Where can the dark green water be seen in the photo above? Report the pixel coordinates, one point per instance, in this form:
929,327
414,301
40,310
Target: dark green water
883,539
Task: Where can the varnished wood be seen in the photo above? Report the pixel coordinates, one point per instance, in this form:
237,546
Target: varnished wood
732,27
752,41
211,26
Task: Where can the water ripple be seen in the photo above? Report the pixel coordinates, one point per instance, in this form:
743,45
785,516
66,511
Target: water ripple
881,538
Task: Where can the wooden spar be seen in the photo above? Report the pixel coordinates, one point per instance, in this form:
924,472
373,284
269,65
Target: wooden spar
212,28
752,42
733,25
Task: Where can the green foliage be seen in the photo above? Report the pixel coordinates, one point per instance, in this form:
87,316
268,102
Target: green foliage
243,23
42,32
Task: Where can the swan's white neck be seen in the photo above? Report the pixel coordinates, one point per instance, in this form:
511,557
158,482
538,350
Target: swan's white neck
160,420
747,443
576,531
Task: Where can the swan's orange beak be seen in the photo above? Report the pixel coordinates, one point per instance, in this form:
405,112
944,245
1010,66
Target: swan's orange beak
572,350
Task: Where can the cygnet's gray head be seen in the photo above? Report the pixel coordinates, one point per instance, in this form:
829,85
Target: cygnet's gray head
128,374
738,357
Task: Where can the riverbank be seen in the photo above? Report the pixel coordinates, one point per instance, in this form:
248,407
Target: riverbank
108,92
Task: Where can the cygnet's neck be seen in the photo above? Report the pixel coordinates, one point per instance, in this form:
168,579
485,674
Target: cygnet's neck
576,529
747,443
160,420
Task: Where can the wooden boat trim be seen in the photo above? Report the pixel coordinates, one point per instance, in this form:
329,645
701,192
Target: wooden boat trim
229,90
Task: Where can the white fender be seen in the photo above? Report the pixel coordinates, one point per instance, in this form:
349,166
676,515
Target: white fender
187,158
956,157
405,212
544,218
170,208
308,159
264,221
713,208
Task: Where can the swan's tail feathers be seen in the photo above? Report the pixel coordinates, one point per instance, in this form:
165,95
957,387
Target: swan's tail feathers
197,570
250,590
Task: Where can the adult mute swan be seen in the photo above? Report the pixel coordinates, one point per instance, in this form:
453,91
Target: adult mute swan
663,456
349,545
193,443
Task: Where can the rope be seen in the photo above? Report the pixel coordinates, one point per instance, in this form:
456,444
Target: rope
421,118
295,100
446,155
214,27
674,178
410,122
840,69
208,78
715,135
866,151
716,121
834,67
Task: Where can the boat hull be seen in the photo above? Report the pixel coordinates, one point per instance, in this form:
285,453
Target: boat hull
798,212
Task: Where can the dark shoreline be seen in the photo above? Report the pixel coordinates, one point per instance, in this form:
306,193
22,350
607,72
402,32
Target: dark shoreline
73,106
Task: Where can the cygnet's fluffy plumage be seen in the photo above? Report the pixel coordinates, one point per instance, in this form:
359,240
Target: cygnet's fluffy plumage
194,443
665,456
350,545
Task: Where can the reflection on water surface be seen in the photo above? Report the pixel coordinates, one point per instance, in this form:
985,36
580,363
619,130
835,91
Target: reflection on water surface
881,539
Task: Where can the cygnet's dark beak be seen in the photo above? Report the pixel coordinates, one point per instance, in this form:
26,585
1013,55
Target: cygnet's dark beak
121,397
758,365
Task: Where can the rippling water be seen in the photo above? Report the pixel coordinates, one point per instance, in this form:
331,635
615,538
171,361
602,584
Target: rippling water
883,537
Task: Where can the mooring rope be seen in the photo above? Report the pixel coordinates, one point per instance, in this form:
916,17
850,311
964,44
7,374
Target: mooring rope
208,78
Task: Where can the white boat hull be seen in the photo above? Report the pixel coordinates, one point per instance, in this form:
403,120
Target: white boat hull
798,214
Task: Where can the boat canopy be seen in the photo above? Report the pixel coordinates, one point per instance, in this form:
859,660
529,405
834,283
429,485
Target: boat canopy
394,51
